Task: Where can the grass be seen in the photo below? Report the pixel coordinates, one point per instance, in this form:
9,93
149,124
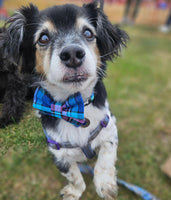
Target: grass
139,92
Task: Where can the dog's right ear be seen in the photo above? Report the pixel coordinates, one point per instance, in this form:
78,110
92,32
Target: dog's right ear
12,37
99,4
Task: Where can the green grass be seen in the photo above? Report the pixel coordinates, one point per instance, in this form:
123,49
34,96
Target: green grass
139,92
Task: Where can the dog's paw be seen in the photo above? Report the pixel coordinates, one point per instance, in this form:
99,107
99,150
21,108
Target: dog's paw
108,191
70,192
106,186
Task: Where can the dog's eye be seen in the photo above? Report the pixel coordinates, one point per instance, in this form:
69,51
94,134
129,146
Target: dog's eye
88,34
44,39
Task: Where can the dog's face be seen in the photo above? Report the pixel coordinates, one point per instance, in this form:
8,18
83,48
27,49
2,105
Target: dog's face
66,48
67,45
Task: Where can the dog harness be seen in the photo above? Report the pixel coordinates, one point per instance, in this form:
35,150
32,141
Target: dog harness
72,110
87,150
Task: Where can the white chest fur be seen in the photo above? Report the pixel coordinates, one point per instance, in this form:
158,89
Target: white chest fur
66,132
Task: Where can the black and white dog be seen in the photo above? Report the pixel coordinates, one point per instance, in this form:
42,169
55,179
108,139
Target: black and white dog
70,46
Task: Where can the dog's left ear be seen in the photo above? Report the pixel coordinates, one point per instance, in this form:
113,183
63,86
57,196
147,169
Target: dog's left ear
17,35
110,38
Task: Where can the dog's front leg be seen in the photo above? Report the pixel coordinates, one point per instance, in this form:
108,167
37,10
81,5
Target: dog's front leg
76,186
105,172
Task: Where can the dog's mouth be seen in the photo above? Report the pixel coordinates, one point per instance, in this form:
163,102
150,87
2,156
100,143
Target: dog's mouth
75,77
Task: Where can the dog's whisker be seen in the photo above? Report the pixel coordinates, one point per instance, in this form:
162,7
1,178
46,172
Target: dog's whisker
101,72
43,76
31,24
108,54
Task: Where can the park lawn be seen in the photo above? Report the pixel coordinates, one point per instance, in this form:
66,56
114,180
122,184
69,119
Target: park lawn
139,93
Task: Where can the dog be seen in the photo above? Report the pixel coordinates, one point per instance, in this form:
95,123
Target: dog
70,46
15,82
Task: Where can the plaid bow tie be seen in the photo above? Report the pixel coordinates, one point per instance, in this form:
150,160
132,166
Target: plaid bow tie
72,110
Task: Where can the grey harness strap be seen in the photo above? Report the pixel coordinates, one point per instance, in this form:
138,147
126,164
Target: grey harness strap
87,150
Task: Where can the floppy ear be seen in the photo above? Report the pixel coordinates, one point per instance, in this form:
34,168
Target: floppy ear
12,38
99,4
110,38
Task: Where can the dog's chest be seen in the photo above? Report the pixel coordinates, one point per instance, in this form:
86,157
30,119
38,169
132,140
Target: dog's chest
66,132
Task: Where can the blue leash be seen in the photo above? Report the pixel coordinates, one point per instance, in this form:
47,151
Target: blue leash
144,194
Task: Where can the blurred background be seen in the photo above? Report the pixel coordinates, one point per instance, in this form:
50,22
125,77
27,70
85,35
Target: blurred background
139,92
153,12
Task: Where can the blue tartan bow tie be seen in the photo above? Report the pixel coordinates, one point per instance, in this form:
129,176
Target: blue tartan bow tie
72,110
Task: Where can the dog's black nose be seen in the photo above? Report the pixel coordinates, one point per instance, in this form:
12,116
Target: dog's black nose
72,56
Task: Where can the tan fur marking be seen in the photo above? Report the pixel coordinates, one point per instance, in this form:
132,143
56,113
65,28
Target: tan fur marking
98,56
42,60
47,61
39,63
81,22
50,26
46,25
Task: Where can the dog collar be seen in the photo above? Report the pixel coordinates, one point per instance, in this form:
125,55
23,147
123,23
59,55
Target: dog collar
71,110
86,149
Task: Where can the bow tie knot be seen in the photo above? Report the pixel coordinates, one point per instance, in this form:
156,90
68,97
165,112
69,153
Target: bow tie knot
72,110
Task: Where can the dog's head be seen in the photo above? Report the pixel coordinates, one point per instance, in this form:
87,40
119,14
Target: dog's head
67,45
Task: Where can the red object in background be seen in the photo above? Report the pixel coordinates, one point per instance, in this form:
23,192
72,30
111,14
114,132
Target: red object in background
3,13
115,1
162,4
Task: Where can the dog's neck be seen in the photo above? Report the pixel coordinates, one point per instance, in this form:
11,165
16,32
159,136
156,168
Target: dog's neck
61,95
